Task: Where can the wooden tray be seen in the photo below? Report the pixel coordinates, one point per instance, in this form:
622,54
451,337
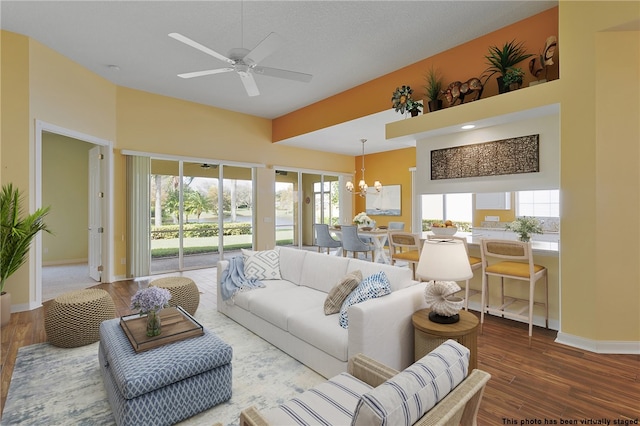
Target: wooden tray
177,325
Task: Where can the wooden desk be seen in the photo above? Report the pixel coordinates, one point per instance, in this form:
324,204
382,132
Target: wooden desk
429,335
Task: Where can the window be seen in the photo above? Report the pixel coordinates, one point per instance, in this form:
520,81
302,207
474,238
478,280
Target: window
455,207
541,203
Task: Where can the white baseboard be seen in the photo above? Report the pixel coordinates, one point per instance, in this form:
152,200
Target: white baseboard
22,307
599,346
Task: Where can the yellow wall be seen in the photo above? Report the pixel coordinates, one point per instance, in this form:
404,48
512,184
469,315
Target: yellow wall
599,170
65,188
390,168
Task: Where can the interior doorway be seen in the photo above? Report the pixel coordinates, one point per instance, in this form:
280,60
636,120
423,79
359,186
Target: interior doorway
77,189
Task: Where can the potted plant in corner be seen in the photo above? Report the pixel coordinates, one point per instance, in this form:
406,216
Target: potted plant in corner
512,79
433,89
501,59
17,231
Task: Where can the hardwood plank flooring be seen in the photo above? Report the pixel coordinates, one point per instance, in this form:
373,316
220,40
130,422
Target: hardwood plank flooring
546,383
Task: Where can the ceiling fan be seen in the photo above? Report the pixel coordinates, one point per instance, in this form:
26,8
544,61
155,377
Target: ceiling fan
245,62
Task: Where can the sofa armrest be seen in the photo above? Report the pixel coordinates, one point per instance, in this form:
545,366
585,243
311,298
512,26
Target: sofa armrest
381,328
460,406
369,370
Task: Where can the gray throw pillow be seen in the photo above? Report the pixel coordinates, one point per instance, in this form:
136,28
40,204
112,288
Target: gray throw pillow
340,292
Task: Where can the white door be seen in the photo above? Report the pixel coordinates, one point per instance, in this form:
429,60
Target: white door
96,197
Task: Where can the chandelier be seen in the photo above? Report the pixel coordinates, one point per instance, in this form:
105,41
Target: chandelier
362,185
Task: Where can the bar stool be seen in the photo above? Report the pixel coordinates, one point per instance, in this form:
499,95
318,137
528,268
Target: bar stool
515,262
404,246
474,262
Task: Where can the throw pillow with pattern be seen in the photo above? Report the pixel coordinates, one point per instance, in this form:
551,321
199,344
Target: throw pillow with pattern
373,286
340,291
261,265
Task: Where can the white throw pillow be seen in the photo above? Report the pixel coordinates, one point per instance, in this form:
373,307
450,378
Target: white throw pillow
373,286
408,395
261,265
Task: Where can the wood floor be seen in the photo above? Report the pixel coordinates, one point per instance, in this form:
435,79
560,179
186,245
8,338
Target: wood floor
546,383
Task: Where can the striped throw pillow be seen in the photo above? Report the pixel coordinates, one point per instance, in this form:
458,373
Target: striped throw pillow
340,291
408,395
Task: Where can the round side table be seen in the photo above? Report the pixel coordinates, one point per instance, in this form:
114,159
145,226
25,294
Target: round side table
429,335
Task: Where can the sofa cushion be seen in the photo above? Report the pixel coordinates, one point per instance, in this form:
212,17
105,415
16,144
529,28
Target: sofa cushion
321,331
330,403
399,278
261,265
408,395
243,298
321,271
340,291
277,307
291,263
373,286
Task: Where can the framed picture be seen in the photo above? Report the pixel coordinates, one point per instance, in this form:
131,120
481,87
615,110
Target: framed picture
387,202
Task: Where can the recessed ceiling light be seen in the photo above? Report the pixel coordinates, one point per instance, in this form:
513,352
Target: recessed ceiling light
113,67
468,126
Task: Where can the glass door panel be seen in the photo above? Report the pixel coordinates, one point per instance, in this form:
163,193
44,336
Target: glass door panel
165,216
287,208
200,215
237,208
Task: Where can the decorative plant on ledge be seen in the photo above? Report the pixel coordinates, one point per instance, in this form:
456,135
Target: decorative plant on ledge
501,59
433,89
401,98
413,107
525,226
512,80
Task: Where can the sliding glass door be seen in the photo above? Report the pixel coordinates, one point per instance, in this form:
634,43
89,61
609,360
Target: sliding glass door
191,223
303,199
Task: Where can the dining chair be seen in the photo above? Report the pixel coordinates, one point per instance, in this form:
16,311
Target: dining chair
404,246
513,260
474,261
353,243
324,238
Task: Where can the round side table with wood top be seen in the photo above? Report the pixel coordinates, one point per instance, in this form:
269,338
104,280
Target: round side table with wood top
429,335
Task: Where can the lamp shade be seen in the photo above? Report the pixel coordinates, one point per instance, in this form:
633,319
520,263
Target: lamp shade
444,260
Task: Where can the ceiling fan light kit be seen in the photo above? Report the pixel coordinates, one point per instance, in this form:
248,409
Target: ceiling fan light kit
244,62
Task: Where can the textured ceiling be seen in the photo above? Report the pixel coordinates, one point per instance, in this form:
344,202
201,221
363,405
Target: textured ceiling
342,43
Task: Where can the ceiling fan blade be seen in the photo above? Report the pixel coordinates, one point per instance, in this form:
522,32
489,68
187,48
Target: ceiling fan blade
201,73
196,45
266,47
289,75
249,84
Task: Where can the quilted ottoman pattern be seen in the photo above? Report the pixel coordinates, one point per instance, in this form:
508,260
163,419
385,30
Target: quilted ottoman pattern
165,385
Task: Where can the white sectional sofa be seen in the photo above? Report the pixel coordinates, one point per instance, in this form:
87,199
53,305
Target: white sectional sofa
289,312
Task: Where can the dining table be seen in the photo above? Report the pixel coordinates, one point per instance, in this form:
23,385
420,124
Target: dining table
378,237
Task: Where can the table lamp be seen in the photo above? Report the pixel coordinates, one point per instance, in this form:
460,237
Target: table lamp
443,262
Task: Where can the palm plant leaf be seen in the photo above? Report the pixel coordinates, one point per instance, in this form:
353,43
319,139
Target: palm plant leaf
500,59
16,231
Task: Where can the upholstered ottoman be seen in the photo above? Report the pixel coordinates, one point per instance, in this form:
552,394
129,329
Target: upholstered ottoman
184,292
165,385
73,319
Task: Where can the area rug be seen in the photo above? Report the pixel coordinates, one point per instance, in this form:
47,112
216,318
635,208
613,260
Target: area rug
55,386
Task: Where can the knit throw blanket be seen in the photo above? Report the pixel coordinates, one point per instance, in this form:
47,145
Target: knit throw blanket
233,280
